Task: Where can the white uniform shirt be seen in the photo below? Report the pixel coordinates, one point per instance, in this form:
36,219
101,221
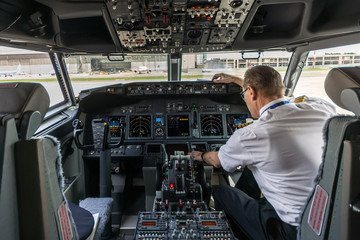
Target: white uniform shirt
283,149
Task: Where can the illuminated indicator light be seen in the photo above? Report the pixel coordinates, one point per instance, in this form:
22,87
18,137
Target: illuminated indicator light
147,9
192,8
198,16
207,7
208,223
209,18
184,119
212,7
164,9
171,185
149,224
203,15
198,7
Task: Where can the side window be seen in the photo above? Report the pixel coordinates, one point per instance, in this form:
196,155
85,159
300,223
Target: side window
19,65
319,63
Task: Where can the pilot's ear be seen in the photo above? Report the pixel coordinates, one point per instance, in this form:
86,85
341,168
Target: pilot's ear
253,93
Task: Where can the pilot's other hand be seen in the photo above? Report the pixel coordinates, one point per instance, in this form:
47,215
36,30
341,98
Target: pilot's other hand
227,78
196,155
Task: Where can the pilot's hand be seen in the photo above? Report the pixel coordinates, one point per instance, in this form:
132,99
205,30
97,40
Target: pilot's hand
196,155
227,78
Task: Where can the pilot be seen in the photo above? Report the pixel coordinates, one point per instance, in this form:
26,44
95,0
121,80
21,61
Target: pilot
282,152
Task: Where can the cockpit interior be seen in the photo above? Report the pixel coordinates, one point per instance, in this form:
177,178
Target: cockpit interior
113,152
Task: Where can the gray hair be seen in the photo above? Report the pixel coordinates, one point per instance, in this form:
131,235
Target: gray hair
265,79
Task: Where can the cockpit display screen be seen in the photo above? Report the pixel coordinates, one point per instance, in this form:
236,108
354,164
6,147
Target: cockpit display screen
211,125
114,125
178,125
234,121
140,126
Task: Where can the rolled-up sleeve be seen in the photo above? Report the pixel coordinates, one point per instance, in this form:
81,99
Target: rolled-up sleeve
235,153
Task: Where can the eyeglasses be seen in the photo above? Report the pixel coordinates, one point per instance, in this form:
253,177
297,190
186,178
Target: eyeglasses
243,92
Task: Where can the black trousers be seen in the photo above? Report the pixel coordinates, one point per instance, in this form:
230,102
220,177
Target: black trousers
251,218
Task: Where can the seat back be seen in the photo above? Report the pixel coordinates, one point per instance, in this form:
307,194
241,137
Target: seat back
18,101
8,196
30,169
332,212
44,212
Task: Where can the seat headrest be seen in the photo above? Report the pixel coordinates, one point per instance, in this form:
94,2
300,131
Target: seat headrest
21,100
339,79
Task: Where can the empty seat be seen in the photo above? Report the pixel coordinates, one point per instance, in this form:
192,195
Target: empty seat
333,211
31,197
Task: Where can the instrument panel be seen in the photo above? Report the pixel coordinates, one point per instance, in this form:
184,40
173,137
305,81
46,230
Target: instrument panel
194,116
177,126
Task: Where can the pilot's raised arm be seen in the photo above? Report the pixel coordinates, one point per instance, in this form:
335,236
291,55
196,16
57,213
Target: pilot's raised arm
227,78
281,151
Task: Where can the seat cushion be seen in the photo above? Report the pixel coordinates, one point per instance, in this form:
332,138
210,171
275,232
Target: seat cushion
83,219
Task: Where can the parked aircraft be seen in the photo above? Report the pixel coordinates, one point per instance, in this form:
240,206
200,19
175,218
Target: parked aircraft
110,155
11,73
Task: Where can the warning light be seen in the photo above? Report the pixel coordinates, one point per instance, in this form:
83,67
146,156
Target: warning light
171,185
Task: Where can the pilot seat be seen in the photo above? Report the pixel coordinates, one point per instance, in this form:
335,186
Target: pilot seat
333,210
32,200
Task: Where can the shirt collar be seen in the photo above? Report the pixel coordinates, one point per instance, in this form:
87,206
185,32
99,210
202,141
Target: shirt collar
272,103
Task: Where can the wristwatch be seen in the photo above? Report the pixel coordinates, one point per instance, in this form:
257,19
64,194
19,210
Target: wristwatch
202,156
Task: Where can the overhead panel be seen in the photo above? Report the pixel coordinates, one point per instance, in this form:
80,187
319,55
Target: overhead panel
173,26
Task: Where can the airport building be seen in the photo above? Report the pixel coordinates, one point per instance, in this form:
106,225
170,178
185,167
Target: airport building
39,63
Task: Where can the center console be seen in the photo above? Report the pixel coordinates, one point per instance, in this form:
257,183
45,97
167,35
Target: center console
180,209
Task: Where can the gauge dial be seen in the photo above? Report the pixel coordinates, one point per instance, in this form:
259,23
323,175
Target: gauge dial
159,132
211,125
140,126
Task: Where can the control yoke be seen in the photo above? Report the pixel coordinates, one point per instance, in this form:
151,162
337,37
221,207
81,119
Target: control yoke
102,143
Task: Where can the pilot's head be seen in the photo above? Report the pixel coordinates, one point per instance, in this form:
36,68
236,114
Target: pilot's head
263,84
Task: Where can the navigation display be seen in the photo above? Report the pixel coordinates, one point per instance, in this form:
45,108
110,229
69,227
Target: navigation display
178,125
140,126
211,125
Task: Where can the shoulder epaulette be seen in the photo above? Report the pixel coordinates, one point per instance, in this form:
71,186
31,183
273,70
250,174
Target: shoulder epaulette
244,125
301,99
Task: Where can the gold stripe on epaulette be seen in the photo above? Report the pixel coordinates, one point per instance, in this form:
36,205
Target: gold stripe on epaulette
301,99
243,125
